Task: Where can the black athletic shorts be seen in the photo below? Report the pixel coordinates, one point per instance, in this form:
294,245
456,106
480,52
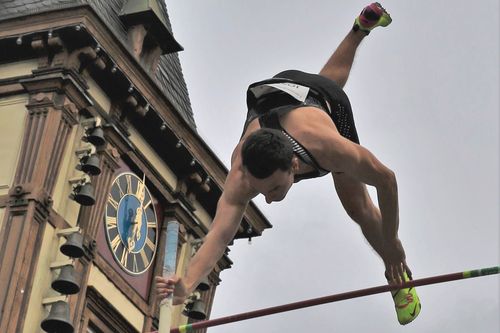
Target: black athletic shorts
267,103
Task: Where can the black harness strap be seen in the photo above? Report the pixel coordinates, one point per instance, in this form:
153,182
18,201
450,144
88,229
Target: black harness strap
307,158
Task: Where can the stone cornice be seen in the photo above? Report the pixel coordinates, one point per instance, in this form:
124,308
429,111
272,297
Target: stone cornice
113,51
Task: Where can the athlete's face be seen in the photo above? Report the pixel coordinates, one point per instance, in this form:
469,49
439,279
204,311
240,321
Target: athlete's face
276,186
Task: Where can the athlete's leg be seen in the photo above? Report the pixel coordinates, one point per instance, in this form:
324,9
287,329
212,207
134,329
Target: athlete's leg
338,67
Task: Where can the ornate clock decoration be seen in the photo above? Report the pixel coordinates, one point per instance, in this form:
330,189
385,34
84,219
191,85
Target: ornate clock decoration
131,223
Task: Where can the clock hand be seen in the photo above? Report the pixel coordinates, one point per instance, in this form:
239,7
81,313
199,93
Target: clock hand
141,199
131,241
137,223
131,223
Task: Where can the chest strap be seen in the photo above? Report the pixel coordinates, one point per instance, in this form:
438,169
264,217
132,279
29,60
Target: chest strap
306,157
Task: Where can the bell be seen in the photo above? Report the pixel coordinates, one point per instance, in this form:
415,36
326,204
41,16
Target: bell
187,308
73,247
90,165
96,136
197,311
66,283
85,195
204,285
58,319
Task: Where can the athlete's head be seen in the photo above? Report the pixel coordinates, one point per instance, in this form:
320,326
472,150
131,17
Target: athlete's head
269,162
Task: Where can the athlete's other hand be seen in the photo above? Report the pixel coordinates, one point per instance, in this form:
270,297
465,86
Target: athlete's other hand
395,262
167,286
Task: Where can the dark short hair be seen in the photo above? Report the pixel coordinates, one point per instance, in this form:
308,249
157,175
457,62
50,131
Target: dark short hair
265,151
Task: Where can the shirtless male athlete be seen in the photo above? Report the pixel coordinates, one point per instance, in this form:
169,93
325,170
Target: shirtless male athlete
300,126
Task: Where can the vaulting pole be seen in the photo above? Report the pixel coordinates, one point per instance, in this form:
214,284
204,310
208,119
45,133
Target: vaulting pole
334,298
168,270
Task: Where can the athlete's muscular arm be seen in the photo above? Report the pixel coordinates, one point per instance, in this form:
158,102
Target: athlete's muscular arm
230,210
342,155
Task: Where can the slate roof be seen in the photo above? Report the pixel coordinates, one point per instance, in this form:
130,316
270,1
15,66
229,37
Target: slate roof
169,77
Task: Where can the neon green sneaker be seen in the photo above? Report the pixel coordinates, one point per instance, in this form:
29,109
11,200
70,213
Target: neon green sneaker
372,16
407,303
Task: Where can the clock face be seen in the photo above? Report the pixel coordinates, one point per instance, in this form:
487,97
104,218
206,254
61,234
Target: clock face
131,224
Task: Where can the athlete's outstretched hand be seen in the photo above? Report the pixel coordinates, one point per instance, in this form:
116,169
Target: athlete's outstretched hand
167,286
395,261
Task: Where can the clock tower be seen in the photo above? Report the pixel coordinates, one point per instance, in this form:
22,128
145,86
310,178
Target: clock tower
99,152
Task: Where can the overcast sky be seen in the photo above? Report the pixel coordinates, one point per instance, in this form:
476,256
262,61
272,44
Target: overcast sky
425,97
